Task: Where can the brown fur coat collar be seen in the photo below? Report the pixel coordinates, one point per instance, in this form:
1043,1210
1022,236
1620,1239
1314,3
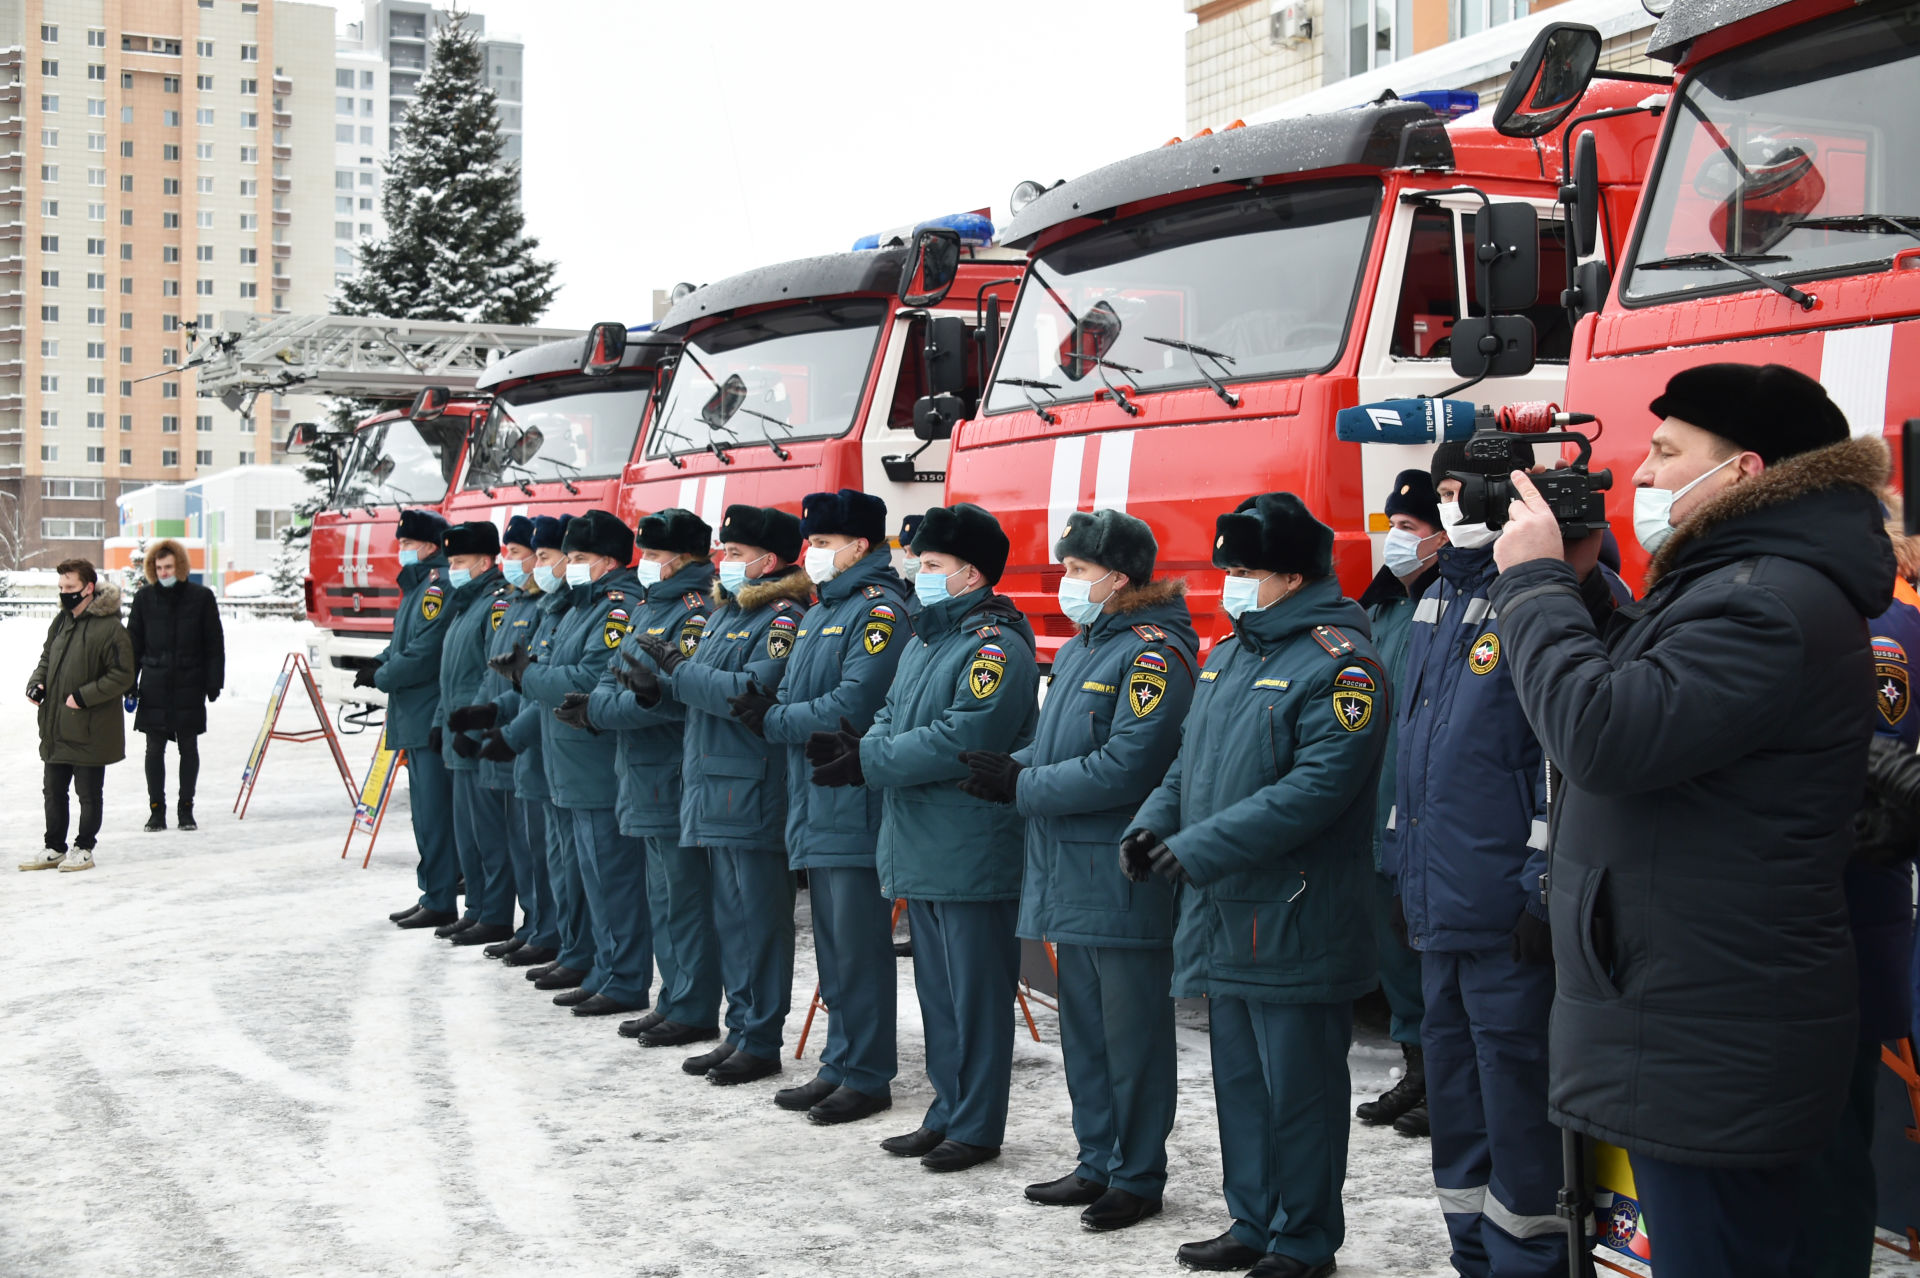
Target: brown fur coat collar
795,585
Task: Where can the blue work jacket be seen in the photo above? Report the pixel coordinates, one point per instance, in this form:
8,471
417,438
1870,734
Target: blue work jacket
473,613
580,762
409,670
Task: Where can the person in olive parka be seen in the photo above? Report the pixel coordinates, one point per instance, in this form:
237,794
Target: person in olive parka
479,814
408,671
735,799
842,665
1266,822
676,572
580,763
512,619
1109,728
967,681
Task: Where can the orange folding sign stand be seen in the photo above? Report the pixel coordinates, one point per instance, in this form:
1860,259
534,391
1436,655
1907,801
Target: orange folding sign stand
270,730
370,806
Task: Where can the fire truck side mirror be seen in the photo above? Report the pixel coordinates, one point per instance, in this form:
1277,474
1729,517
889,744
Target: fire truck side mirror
1506,249
606,344
935,416
1585,215
430,403
725,401
1493,346
522,448
931,266
302,437
1548,81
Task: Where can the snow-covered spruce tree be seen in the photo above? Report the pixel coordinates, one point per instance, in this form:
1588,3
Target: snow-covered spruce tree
290,565
456,247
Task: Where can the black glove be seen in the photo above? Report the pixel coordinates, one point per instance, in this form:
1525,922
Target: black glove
1532,940
213,696
473,718
37,693
496,749
434,739
465,746
994,777
513,663
665,655
363,677
836,756
573,712
1397,920
637,679
751,707
1136,860
1167,865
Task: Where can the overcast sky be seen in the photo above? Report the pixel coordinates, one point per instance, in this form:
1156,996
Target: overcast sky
691,139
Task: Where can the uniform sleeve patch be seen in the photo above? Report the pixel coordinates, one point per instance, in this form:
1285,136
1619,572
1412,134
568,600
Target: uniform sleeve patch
1352,710
884,612
1892,688
1485,654
1145,691
691,631
876,632
499,613
780,637
986,674
1151,661
615,628
1355,678
1885,649
993,652
430,601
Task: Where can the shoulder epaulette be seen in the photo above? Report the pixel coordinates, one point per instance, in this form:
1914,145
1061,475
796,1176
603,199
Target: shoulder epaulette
781,605
615,595
988,632
1335,642
1152,634
693,599
873,592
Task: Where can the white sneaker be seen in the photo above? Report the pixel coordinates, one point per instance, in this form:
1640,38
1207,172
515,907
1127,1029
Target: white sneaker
48,859
78,859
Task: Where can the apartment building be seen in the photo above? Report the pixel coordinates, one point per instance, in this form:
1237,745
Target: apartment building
162,162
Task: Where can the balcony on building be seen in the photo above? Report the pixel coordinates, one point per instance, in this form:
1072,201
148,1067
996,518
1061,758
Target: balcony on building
10,59
282,218
281,252
282,120
10,92
282,85
282,152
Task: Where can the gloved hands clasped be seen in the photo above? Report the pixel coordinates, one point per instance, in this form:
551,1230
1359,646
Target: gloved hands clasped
992,776
473,718
835,756
751,707
513,663
637,679
1144,853
495,749
665,655
572,711
363,677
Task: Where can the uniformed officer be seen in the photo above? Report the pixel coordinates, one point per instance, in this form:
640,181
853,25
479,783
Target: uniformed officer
1414,538
1109,728
1469,853
1266,822
512,618
967,681
735,798
409,673
476,602
513,735
842,665
676,572
580,763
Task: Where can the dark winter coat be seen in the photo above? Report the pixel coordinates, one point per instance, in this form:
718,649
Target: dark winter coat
1109,728
1390,604
518,621
967,681
1714,740
474,612
735,792
842,666
89,658
522,718
593,622
179,654
651,740
409,670
1269,806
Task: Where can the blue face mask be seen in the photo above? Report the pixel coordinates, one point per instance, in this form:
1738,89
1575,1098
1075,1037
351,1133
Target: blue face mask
409,557
579,574
168,581
1241,595
733,575
543,577
931,587
515,571
1076,600
648,572
458,577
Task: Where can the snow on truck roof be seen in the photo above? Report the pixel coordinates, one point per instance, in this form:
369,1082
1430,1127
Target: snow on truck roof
865,271
1688,20
644,351
1391,135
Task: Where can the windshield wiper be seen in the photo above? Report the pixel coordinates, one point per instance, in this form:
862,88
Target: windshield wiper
1871,223
767,439
1028,383
566,483
1737,262
1197,352
1119,393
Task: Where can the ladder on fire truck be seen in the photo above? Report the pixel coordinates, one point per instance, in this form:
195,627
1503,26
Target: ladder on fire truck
361,357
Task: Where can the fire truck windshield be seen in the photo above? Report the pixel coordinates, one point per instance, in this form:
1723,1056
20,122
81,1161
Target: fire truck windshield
567,428
1793,157
802,369
1263,282
400,463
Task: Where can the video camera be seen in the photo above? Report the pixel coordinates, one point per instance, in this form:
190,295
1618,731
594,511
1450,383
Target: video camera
1498,442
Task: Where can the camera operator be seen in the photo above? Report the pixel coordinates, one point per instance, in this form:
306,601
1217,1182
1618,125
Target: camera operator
1712,739
1467,842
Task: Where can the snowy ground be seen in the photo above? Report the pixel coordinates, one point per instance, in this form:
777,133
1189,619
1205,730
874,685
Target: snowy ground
220,1059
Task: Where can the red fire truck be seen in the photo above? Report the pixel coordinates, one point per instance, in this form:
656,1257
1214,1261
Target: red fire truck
1193,317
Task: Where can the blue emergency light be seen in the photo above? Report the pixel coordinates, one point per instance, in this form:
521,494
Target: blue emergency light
975,229
1452,103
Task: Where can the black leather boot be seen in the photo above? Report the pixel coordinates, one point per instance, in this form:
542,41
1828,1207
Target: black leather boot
1401,1097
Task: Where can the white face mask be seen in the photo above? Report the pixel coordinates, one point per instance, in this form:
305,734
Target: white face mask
1464,535
579,574
1241,595
1402,552
649,572
1076,600
1653,509
822,564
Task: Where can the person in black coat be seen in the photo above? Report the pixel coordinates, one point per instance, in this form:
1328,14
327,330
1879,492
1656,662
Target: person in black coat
180,655
1713,737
